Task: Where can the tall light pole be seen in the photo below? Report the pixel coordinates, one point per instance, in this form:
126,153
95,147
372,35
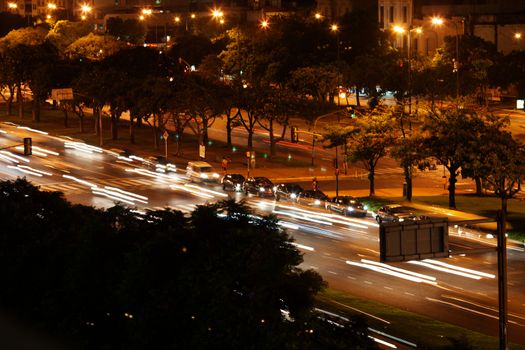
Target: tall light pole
335,29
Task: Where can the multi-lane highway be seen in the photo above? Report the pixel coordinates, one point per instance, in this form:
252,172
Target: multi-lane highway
461,290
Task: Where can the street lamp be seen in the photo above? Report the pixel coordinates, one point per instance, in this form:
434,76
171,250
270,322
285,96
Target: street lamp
85,9
517,36
438,21
264,24
318,16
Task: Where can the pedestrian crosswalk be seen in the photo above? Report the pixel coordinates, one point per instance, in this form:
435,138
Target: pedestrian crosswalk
72,187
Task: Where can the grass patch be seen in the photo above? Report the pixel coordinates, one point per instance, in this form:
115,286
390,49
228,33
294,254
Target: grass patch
425,332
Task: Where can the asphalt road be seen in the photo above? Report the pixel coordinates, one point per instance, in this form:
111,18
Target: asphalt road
461,290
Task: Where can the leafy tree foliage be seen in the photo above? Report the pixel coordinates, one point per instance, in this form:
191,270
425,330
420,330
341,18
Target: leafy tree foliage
64,33
93,47
114,279
129,30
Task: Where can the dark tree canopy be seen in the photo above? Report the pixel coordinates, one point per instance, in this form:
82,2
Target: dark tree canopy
114,279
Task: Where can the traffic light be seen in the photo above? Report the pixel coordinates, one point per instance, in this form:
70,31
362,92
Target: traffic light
294,134
28,146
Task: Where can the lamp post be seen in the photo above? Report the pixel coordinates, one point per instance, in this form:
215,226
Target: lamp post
85,10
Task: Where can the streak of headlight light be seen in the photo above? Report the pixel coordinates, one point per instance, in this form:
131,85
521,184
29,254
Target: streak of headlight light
331,217
125,158
474,272
195,193
131,194
33,169
90,147
9,154
76,147
3,131
391,273
305,247
288,225
221,194
108,195
119,195
23,170
382,342
137,158
12,160
444,269
33,151
390,336
296,216
146,172
83,182
45,150
140,212
33,130
393,268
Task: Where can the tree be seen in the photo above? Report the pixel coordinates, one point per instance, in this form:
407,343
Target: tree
371,143
93,47
130,30
317,82
451,137
113,278
64,33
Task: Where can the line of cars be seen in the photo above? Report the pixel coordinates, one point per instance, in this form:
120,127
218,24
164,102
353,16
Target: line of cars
199,171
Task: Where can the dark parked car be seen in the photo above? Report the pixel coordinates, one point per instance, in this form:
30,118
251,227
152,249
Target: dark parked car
258,185
232,182
288,192
395,213
347,205
314,198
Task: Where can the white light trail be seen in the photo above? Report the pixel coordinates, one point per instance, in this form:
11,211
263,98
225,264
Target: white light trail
393,268
221,194
83,182
301,217
288,225
32,130
383,270
25,171
382,342
3,131
36,170
194,192
304,247
459,268
12,155
444,269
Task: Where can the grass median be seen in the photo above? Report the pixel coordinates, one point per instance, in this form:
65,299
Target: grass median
427,333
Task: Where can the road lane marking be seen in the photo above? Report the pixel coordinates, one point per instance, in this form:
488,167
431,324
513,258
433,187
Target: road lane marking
361,311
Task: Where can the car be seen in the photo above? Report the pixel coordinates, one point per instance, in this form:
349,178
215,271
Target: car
232,182
395,213
314,198
159,164
347,205
288,192
261,186
201,172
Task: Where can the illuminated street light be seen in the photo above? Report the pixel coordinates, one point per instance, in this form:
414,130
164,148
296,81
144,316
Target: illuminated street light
217,14
221,21
12,5
264,24
141,18
48,16
147,12
86,8
334,27
398,29
51,6
318,16
177,19
83,17
437,21
517,35
193,16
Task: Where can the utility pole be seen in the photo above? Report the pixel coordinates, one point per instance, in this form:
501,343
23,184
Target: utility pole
502,280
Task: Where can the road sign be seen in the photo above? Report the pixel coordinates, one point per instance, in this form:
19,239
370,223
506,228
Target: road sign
202,151
166,135
62,94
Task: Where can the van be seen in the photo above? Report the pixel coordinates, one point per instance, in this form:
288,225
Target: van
201,172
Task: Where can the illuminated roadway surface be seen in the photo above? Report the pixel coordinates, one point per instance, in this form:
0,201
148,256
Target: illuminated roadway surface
461,290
